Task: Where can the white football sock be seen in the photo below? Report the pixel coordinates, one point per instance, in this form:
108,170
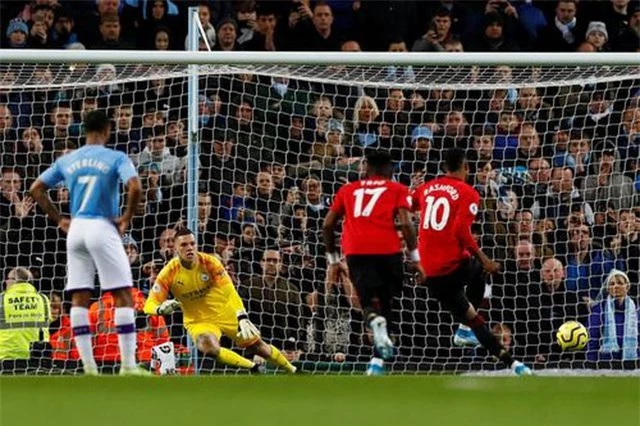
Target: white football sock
79,317
125,324
377,361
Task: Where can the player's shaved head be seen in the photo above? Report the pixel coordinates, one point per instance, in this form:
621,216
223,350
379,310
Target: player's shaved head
454,160
379,163
96,122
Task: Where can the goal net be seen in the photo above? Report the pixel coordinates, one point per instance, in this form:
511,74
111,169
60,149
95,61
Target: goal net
554,155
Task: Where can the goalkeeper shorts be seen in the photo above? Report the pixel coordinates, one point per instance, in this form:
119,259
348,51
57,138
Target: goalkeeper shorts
227,325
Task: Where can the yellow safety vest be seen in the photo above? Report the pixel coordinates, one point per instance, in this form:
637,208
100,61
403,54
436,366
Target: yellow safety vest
24,318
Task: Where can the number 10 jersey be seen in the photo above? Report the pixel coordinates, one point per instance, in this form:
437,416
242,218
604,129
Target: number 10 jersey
448,206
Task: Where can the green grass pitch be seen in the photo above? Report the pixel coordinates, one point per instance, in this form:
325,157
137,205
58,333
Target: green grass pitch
319,400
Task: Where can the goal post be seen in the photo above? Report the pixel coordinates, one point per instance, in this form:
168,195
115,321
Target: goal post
248,148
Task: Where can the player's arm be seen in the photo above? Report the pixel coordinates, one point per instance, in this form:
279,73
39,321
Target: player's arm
464,220
128,174
157,302
38,192
405,219
329,226
336,268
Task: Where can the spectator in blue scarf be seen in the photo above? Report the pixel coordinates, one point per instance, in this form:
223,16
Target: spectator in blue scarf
613,323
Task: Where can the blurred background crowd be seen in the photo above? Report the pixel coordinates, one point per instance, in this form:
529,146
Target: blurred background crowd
557,166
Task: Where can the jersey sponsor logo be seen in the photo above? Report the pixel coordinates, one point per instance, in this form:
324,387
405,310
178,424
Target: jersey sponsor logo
196,294
204,277
180,283
473,208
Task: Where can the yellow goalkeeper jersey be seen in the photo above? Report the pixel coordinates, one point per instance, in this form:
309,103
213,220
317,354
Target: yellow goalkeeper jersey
205,291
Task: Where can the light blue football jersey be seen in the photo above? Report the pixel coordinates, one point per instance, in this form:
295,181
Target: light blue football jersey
93,174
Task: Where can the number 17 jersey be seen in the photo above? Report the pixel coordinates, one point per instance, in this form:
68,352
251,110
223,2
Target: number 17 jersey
369,208
448,207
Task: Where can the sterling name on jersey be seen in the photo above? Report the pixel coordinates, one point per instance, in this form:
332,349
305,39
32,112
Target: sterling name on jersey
93,174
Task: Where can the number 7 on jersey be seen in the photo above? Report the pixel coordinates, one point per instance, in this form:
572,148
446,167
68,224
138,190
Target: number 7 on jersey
90,182
375,194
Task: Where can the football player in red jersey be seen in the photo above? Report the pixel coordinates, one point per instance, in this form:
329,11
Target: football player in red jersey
372,246
448,207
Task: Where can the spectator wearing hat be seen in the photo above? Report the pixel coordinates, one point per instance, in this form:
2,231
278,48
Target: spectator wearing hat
157,16
422,157
564,33
606,182
493,37
17,34
628,39
596,36
227,35
613,323
63,32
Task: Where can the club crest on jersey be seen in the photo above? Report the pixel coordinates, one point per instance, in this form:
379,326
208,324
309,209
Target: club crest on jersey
473,208
155,288
204,277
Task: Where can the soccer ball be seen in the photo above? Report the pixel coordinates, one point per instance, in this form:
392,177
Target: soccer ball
572,336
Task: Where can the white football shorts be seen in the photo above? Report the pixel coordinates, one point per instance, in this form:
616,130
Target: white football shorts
95,244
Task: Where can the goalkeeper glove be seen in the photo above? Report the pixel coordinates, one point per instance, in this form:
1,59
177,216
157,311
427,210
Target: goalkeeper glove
246,329
168,307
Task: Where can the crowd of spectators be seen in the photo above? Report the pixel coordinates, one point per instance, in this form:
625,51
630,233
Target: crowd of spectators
302,25
558,167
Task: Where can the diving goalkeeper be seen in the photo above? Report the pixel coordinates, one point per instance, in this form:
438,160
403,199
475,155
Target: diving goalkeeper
210,304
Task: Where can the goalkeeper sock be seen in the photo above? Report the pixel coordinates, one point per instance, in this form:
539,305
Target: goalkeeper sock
79,317
231,358
124,319
278,359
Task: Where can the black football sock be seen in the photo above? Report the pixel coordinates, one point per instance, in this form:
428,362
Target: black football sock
475,287
489,341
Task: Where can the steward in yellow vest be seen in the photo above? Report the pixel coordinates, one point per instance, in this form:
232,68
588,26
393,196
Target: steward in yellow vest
24,316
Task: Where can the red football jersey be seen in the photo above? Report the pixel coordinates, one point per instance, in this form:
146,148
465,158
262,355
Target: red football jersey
369,208
448,207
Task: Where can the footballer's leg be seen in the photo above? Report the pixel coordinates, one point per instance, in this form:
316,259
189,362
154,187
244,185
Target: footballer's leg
454,300
79,316
273,355
472,273
368,282
105,245
80,277
209,343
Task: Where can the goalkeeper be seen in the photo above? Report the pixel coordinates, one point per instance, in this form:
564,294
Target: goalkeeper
210,304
